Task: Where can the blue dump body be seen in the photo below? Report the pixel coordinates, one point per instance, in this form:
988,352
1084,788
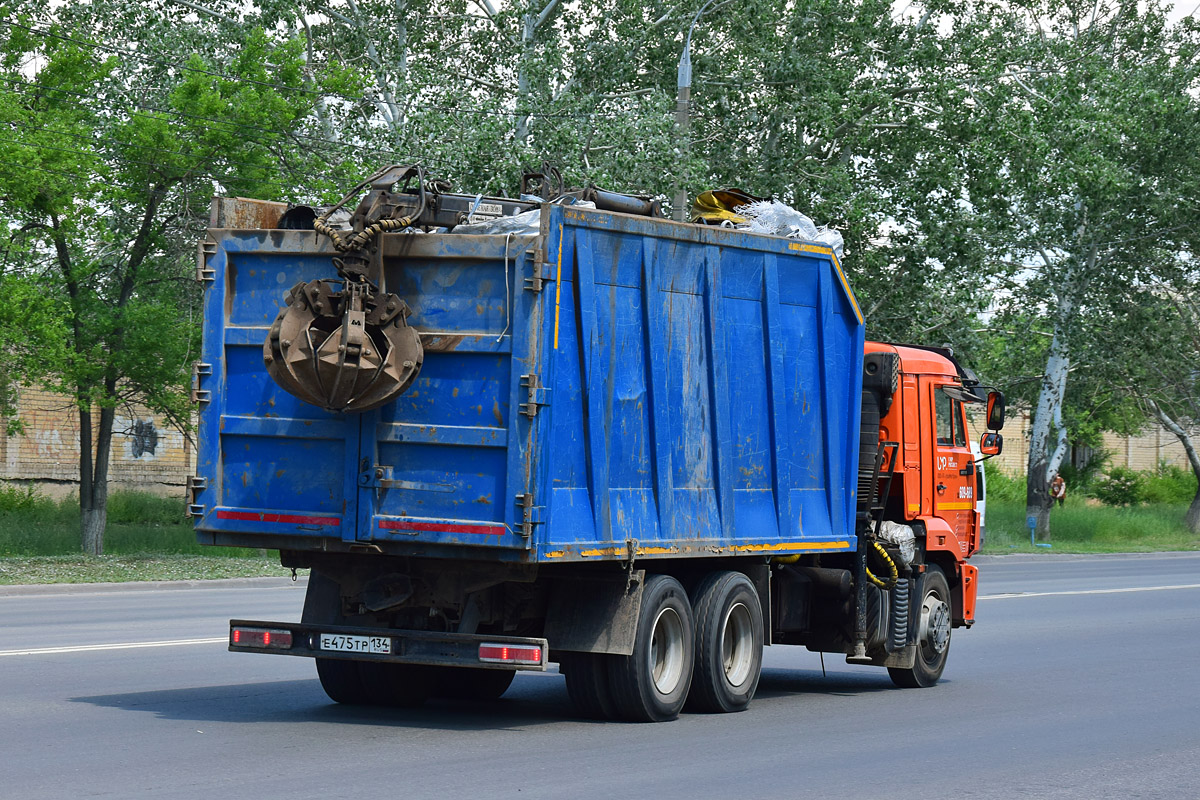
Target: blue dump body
611,386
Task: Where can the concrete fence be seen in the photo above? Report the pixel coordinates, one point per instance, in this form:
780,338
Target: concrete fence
147,453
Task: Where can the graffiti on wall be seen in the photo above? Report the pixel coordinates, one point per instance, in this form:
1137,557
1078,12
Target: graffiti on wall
143,438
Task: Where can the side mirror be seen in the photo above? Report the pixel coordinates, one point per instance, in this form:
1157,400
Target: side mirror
995,410
990,444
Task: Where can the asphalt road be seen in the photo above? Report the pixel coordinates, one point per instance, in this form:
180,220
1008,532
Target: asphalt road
1081,680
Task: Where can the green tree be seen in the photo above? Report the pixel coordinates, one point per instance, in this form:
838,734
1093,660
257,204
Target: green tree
1161,372
117,132
1078,144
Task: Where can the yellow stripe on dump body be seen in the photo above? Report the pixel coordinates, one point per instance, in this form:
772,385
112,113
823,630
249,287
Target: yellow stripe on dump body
967,506
737,548
558,285
771,548
837,265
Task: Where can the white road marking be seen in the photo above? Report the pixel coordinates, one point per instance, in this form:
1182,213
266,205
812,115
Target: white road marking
91,648
1090,591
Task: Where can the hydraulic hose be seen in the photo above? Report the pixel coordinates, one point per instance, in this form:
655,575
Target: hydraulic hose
895,572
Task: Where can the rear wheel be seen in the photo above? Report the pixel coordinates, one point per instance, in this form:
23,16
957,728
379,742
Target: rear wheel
729,642
340,679
651,684
397,685
587,684
933,634
469,683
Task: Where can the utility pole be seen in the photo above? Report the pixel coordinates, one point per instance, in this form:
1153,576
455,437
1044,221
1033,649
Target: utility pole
683,99
683,122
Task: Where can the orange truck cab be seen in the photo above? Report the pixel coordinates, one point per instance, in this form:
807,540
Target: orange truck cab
927,472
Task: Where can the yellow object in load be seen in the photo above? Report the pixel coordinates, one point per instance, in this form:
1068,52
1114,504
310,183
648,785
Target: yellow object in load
717,205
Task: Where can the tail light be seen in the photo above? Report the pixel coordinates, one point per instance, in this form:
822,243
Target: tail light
265,638
510,654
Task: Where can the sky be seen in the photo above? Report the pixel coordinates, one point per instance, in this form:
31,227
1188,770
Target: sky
1184,8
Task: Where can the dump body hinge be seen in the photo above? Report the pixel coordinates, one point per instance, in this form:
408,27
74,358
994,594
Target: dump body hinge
535,397
540,270
195,485
199,371
204,273
530,514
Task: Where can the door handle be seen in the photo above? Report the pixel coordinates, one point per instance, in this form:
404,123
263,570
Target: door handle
941,487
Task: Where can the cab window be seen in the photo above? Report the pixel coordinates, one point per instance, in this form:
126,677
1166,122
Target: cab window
951,427
945,420
960,428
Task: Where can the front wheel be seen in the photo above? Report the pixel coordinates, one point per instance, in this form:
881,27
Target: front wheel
933,634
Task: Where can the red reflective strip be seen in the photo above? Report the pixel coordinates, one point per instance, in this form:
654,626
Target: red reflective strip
426,527
293,519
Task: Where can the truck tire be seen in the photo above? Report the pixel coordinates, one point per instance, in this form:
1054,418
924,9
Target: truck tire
587,684
933,634
729,643
467,683
652,684
397,685
340,679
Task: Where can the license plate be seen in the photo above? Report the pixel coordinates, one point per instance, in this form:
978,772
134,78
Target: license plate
488,210
356,644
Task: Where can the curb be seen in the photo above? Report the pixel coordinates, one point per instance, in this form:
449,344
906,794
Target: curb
25,590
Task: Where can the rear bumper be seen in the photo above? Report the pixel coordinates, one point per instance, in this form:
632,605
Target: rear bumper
403,647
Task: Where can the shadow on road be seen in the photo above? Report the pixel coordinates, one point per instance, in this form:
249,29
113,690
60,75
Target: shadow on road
783,682
532,700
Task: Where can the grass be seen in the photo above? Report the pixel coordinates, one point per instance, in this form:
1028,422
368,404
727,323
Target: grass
141,567
147,538
1083,527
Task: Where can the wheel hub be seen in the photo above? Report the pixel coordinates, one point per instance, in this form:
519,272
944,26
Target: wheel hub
666,651
935,624
737,645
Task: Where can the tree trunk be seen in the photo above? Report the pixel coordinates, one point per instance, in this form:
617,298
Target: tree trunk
1047,422
385,101
1047,418
1192,518
93,478
91,536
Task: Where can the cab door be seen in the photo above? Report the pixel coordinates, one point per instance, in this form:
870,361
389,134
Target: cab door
953,467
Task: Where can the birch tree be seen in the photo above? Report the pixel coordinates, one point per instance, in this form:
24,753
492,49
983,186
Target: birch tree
1081,154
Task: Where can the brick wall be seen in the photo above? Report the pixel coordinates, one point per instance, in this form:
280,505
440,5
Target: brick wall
147,454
